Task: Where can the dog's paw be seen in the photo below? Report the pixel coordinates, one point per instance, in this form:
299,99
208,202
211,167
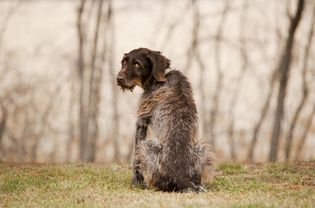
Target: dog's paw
195,188
200,189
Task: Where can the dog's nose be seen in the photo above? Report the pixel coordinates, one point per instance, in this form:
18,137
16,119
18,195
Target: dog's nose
119,79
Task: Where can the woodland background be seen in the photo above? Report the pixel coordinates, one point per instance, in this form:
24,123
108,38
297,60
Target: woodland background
251,64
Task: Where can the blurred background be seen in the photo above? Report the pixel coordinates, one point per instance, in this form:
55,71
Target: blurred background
251,64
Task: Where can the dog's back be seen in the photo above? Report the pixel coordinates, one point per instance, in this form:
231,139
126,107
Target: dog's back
173,159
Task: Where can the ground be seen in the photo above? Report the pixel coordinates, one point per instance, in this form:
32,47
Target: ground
97,185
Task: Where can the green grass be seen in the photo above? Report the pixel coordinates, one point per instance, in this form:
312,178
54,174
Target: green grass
232,168
236,185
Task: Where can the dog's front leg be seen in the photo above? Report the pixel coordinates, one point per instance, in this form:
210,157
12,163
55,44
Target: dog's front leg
141,133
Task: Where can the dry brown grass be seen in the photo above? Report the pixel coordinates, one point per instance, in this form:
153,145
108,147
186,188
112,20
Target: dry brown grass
90,185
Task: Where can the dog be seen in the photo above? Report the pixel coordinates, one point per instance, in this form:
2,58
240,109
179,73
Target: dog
168,155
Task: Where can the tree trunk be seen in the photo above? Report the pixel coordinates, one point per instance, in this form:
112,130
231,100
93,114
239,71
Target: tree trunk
71,126
115,102
195,54
238,86
284,71
3,122
218,88
90,76
83,120
94,87
305,90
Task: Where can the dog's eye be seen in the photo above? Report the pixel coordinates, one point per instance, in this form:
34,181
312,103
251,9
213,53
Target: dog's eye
137,65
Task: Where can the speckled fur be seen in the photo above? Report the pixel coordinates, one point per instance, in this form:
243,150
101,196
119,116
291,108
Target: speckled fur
168,155
172,159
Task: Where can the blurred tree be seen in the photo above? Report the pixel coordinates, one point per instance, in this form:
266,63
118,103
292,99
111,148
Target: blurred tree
115,102
237,88
90,61
283,73
215,100
305,90
3,121
194,54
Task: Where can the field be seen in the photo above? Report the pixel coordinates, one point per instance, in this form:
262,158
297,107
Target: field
97,185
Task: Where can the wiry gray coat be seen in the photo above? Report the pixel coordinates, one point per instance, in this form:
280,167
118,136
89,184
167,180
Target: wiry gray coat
168,155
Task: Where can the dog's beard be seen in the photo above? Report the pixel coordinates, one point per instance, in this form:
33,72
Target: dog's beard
127,87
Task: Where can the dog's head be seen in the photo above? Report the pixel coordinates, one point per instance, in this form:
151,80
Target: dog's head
139,65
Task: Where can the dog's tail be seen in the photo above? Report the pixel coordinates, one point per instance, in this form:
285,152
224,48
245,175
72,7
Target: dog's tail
205,161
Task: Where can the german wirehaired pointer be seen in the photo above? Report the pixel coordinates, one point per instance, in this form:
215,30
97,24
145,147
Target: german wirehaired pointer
168,155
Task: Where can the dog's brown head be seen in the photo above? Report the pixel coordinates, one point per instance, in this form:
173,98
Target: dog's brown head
139,65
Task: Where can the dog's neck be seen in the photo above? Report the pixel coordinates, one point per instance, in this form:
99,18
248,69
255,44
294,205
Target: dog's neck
148,83
151,84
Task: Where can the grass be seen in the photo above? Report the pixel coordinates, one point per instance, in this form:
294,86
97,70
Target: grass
236,185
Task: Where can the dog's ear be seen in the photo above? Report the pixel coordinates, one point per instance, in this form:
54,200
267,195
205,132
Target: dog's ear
159,64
